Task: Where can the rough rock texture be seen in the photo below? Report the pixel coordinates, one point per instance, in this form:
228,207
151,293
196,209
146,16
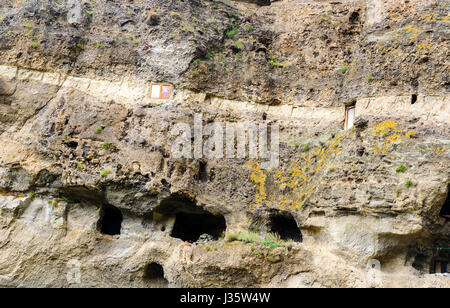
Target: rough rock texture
80,137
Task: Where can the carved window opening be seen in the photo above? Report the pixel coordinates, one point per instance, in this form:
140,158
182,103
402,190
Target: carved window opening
349,117
160,91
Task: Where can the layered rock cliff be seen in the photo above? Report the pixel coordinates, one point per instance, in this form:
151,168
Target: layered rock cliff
92,195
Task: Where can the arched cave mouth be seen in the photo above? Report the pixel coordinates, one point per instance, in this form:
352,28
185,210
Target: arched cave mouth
110,222
154,273
445,212
285,225
191,221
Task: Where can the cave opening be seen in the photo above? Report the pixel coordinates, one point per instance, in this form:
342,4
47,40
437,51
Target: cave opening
110,222
445,212
286,226
154,273
188,227
191,221
414,99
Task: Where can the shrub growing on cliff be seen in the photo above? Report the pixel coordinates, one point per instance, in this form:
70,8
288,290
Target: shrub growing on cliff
409,183
400,169
105,172
106,145
234,30
344,70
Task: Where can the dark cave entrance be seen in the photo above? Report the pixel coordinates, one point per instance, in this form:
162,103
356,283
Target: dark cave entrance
445,212
285,225
189,227
154,273
191,221
110,221
414,98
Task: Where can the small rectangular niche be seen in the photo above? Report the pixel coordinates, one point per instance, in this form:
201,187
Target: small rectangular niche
349,117
160,91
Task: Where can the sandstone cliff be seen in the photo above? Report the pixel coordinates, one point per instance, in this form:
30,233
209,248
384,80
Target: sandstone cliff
91,194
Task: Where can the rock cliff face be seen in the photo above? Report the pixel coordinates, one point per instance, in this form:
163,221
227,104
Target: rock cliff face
92,195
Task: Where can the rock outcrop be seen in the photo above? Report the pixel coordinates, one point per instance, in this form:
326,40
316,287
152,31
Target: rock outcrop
92,195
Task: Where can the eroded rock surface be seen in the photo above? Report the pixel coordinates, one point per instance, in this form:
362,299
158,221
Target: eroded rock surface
90,186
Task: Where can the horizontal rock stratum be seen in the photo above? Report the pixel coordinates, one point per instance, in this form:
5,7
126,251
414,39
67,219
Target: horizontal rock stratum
91,194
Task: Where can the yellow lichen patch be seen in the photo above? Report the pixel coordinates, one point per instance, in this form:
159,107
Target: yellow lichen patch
294,184
423,48
259,178
408,32
428,17
439,150
390,135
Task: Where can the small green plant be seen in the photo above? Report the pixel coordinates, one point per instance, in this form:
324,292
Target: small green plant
400,169
105,172
306,148
297,145
106,145
28,26
98,130
99,45
239,45
90,14
250,29
253,229
196,73
33,45
32,196
409,183
344,70
249,237
80,165
271,244
340,84
234,30
399,192
369,78
274,61
231,236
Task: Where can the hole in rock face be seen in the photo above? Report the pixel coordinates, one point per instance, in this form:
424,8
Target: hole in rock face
154,273
414,99
111,221
354,17
202,172
445,212
285,226
191,221
189,227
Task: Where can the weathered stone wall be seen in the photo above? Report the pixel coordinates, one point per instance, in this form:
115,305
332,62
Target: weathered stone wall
79,134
